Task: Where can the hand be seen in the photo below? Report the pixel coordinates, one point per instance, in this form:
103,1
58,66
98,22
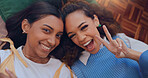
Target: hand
10,74
117,47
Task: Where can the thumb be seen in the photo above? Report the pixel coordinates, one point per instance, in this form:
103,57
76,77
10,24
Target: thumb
11,74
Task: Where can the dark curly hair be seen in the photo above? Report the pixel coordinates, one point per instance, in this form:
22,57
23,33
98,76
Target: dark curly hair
73,52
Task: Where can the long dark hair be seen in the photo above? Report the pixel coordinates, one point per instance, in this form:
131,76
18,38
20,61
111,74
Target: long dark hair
32,13
105,17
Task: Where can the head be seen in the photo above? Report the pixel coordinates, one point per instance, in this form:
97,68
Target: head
81,21
81,25
42,28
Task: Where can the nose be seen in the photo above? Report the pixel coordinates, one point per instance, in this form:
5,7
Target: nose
81,37
52,41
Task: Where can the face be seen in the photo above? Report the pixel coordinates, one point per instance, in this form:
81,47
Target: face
43,36
82,30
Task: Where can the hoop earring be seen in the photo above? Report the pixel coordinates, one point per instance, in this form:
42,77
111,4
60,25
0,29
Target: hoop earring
24,32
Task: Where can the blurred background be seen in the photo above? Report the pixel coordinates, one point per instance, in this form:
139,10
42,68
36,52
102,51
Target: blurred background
132,15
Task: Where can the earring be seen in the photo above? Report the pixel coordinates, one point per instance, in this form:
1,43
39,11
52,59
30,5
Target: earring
24,32
99,25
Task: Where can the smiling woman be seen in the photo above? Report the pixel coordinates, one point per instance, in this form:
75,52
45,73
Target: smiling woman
93,57
36,32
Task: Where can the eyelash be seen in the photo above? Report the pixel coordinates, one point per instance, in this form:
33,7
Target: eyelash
72,36
46,30
58,36
84,27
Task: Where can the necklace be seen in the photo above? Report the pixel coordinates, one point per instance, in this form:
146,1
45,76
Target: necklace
36,60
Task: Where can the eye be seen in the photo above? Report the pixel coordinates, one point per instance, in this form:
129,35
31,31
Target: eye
84,27
46,30
59,36
71,36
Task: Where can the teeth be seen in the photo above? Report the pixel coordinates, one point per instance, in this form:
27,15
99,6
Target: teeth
87,43
48,48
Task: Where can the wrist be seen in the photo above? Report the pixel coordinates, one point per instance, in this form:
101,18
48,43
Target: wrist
135,55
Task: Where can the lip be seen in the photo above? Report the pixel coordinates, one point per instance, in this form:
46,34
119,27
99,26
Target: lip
92,42
87,43
45,47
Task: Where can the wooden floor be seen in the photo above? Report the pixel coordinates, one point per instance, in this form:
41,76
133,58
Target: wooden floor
132,15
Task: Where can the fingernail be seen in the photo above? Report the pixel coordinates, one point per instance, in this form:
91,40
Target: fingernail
120,45
96,36
7,69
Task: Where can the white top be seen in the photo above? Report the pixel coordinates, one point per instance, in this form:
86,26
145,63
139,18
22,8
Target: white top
132,43
35,70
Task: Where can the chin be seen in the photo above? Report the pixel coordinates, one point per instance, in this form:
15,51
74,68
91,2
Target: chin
93,52
44,56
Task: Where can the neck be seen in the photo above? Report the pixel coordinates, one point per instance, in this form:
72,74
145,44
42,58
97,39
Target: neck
35,58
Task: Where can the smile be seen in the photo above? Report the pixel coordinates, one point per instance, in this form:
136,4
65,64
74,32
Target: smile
45,47
87,43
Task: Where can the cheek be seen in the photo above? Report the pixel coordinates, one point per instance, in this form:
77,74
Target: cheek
35,33
57,41
94,31
76,41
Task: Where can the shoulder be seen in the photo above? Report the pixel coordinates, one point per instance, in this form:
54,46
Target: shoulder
4,54
143,63
58,63
64,68
67,71
143,60
55,61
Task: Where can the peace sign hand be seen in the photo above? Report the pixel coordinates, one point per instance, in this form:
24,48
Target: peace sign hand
117,47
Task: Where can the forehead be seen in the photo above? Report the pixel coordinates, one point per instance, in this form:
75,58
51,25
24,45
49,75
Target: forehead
51,20
74,19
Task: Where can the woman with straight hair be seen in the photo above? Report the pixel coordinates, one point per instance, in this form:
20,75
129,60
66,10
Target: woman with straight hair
35,32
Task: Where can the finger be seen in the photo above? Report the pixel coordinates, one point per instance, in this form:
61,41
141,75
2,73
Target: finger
119,48
102,41
107,33
119,52
123,44
11,75
120,55
114,42
119,41
3,76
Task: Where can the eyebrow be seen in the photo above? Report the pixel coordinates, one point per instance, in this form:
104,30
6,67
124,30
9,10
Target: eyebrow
60,32
48,26
81,24
69,33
